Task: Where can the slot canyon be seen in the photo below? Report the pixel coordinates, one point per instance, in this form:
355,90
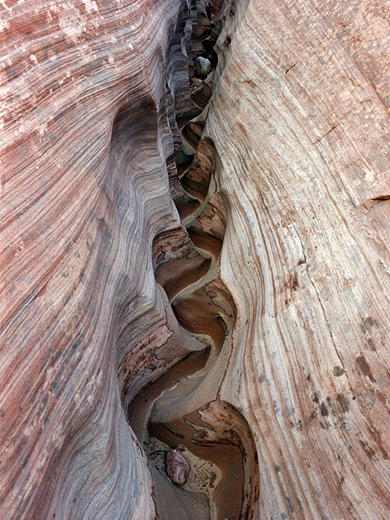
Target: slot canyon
195,260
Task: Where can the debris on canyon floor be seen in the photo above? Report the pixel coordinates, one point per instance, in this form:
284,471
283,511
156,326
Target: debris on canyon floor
177,467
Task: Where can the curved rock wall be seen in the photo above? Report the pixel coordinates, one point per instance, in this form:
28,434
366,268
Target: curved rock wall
84,189
194,261
304,168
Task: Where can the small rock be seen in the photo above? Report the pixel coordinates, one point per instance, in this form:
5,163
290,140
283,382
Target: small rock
202,66
177,467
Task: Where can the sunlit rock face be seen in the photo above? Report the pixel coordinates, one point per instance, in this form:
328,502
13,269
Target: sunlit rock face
194,281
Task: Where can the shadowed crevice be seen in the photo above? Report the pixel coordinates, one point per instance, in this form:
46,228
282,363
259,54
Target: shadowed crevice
181,407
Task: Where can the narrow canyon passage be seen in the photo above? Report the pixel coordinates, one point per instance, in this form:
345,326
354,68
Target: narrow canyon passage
194,260
182,408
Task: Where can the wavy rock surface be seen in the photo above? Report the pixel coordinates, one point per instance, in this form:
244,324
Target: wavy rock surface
198,264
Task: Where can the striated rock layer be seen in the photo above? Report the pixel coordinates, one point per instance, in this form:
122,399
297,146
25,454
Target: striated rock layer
304,153
89,95
194,262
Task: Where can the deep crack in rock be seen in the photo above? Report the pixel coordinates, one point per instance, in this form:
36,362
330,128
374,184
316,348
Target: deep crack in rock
182,406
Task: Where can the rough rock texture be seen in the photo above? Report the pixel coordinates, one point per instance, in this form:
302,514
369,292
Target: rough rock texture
191,263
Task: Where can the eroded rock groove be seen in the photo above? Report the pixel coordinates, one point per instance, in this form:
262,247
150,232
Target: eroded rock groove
181,409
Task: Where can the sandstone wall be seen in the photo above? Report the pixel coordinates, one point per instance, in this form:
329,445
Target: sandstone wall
194,262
